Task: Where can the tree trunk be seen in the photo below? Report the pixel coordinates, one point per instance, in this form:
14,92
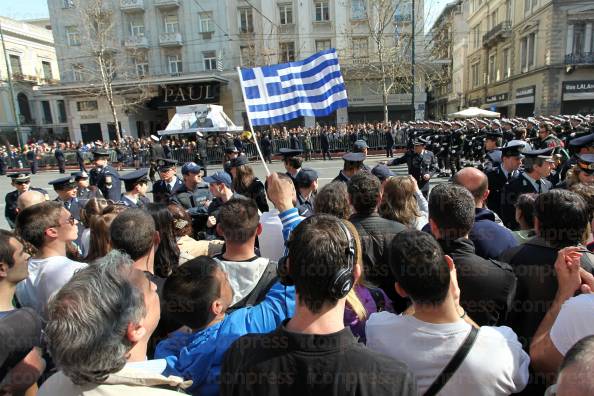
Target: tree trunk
114,114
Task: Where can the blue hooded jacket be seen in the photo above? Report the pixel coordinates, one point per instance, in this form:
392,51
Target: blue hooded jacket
198,356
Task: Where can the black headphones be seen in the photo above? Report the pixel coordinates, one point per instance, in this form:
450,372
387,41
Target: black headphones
343,280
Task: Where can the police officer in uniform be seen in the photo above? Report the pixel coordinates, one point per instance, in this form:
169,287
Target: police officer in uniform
136,186
195,196
31,156
307,187
65,187
360,146
201,153
353,164
103,177
231,152
169,185
21,182
537,167
500,175
3,157
156,151
83,192
579,145
60,158
421,163
492,157
80,158
292,161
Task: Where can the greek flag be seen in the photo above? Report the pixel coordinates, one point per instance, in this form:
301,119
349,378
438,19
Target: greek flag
278,93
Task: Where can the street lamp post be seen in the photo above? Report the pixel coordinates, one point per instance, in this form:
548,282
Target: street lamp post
414,111
12,101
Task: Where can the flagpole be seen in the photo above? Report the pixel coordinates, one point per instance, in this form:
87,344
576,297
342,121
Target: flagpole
250,122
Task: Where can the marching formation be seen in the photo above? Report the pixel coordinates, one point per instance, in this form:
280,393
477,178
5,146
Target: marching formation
373,284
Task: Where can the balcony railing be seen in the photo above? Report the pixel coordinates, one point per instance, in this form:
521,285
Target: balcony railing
167,3
170,40
132,5
499,32
136,42
586,58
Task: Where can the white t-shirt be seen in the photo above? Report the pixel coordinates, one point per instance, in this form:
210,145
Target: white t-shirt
243,275
574,322
496,364
46,277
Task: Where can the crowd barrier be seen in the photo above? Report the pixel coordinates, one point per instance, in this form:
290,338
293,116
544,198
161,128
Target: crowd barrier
342,143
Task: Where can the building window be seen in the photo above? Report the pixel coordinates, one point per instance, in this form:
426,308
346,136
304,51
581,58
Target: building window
174,63
493,19
171,23
358,10
322,45
475,74
141,65
210,60
527,51
476,36
360,49
72,35
206,23
506,63
403,12
508,10
246,20
77,74
248,55
137,26
287,52
47,70
87,105
322,11
492,68
530,6
47,112
286,14
15,65
61,111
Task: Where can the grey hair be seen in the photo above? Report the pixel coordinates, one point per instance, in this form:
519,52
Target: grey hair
88,319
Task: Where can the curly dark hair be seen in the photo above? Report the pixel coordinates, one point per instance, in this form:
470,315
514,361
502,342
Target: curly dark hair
333,199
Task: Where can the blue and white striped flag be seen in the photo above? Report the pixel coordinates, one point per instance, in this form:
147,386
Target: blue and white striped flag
278,93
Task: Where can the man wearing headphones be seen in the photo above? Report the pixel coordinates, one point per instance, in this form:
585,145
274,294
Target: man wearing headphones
313,352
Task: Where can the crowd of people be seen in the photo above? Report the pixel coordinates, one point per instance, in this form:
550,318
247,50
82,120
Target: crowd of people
374,284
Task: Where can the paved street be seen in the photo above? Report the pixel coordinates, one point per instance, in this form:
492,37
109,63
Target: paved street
328,170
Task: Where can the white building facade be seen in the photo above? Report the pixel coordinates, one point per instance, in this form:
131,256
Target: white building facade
187,52
29,60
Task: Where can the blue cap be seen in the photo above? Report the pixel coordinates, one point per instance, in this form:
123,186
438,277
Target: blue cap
305,177
512,149
219,177
100,152
20,177
544,153
79,175
164,164
354,157
135,176
190,167
63,183
583,141
586,163
382,172
231,149
287,152
241,160
360,145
